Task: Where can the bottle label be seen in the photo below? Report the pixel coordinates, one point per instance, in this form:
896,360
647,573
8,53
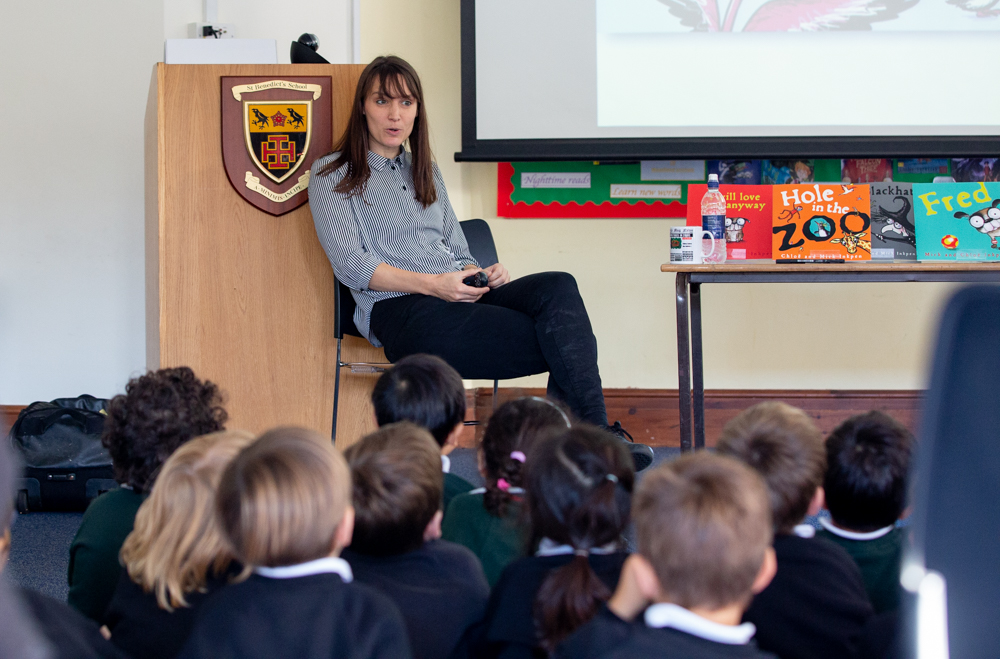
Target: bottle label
716,224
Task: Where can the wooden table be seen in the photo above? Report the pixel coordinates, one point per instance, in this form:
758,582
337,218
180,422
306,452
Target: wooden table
688,283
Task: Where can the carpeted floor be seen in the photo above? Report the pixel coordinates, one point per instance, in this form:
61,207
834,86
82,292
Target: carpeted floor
39,556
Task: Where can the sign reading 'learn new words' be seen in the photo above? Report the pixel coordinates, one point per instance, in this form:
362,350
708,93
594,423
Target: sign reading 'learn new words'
645,191
555,179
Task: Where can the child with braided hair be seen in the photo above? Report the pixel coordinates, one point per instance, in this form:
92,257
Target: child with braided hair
488,520
578,490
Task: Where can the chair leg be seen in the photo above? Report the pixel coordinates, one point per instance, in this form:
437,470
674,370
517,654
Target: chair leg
336,395
496,385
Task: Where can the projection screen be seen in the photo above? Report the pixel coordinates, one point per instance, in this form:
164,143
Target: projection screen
631,79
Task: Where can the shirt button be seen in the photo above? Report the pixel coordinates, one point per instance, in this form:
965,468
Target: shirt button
404,187
393,167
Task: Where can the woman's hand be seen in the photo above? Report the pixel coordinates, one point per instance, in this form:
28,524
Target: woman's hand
449,287
498,275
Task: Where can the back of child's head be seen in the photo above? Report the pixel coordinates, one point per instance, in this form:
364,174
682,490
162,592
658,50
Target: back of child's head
868,460
282,499
159,411
579,489
510,434
786,448
397,486
177,541
703,522
424,390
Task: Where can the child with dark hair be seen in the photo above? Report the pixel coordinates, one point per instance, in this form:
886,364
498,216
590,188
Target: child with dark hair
158,412
284,504
438,586
487,520
425,390
868,460
579,489
816,607
703,525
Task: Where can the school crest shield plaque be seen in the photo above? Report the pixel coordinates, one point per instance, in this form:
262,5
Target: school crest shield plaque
272,131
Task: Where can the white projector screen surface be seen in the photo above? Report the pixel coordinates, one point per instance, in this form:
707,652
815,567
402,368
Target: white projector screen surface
612,69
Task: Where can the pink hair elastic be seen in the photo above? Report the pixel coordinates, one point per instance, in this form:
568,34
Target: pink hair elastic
503,485
517,455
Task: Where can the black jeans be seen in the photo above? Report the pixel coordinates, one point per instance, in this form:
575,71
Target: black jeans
530,325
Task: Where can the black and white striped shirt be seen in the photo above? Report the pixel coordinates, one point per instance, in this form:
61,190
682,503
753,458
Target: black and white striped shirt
385,224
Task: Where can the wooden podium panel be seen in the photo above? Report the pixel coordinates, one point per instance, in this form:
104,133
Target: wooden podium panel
242,297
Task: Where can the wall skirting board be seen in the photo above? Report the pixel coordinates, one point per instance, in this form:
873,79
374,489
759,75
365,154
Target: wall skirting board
651,415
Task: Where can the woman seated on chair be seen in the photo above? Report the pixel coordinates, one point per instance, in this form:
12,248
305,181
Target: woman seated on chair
383,216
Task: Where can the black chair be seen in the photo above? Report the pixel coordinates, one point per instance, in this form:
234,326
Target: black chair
483,249
952,566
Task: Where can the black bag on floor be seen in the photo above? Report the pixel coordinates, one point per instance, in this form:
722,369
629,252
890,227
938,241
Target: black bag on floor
59,443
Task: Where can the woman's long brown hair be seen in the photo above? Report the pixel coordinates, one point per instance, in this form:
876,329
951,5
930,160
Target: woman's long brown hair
393,76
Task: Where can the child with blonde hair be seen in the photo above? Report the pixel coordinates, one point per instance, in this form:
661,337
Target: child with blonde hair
285,507
176,555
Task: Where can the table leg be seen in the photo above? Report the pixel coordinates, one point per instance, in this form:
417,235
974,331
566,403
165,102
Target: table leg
683,361
697,370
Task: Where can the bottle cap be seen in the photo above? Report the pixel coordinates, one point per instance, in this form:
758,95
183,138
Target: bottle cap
713,181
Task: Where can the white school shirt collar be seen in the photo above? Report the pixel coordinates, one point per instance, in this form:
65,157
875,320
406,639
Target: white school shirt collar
681,619
328,565
549,547
445,464
804,530
854,535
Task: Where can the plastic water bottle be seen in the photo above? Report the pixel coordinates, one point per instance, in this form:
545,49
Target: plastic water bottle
713,219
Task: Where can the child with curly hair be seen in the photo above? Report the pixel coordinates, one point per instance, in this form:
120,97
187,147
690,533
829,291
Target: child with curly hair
158,412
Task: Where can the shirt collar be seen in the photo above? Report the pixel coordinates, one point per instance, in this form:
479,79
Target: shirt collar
328,565
804,530
378,162
681,619
854,535
445,464
549,547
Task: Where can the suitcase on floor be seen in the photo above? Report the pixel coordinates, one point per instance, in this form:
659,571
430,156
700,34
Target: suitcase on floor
59,444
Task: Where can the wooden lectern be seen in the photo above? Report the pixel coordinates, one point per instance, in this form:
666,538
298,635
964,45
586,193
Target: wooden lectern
242,297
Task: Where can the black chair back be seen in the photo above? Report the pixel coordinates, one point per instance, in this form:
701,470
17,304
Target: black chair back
956,476
481,245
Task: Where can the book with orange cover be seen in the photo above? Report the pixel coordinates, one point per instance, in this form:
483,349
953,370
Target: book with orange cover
748,218
815,222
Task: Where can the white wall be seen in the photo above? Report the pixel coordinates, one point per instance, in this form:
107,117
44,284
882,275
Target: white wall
329,20
72,100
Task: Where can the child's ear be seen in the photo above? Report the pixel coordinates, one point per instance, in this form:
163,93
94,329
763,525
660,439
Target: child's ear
767,571
451,441
433,529
637,587
817,503
345,531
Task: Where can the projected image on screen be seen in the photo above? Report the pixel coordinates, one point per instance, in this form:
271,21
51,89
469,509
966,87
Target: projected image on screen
715,68
816,15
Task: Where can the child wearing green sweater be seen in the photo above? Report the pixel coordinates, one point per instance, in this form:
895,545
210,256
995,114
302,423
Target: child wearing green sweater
868,459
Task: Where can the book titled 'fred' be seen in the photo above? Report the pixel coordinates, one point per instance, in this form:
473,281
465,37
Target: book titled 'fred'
817,222
957,221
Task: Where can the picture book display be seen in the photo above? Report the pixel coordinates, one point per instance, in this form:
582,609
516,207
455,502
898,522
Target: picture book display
748,218
957,221
816,222
893,230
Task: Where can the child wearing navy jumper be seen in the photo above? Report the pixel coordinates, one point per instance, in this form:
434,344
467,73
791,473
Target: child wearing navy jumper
438,586
578,487
285,506
816,607
704,532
